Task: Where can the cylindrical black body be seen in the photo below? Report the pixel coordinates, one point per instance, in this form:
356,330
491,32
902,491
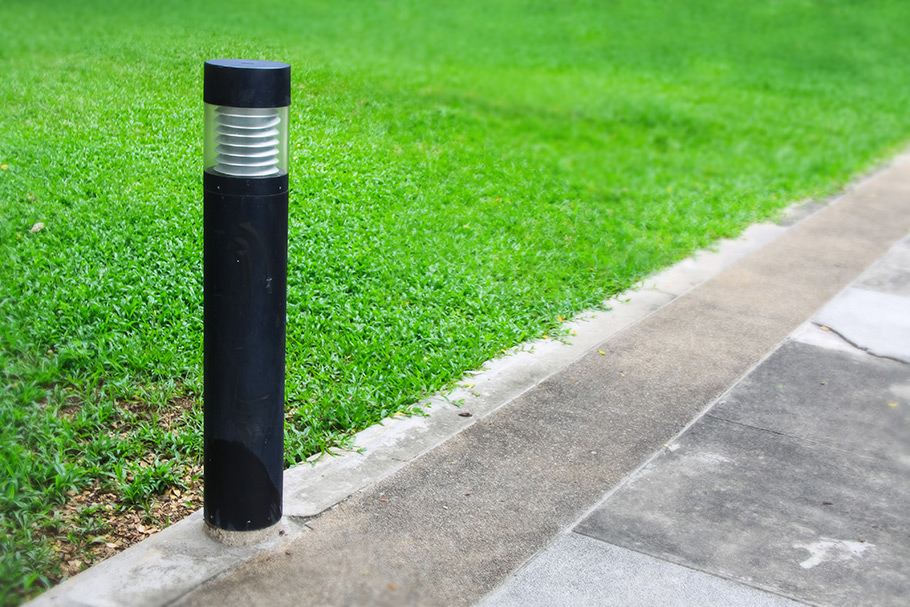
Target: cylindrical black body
245,280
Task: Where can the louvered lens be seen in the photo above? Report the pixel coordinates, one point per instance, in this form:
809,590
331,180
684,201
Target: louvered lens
247,143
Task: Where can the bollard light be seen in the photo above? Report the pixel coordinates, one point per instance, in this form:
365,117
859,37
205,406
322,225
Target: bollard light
245,184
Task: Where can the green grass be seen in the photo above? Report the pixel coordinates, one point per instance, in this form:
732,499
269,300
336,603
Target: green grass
464,173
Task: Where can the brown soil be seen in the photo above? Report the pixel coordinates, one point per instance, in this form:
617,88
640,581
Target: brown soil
94,525
117,529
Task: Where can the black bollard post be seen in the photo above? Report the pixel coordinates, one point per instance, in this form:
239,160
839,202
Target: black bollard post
245,185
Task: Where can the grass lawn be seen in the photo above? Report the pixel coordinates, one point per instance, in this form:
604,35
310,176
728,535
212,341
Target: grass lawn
465,175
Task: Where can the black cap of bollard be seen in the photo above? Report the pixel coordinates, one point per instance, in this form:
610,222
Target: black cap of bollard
247,83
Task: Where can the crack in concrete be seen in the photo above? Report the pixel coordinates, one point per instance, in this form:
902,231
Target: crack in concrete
856,346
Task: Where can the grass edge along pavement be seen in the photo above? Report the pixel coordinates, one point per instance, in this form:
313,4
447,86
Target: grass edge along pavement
100,309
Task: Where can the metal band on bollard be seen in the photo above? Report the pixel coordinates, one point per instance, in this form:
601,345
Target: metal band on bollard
245,185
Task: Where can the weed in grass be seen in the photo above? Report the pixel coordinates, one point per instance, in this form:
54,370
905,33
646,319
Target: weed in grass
465,174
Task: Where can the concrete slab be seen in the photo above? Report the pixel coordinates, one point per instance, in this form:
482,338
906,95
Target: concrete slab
703,265
823,523
889,275
844,400
162,568
871,320
797,212
691,272
577,571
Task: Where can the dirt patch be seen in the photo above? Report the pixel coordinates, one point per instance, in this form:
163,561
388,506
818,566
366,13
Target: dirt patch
71,408
176,411
95,526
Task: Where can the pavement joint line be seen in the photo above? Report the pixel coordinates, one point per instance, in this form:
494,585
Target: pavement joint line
491,374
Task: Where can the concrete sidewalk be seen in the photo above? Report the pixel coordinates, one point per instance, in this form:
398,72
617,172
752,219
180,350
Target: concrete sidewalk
796,483
700,445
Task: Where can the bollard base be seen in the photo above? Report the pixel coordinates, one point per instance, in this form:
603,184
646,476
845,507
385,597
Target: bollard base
242,538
